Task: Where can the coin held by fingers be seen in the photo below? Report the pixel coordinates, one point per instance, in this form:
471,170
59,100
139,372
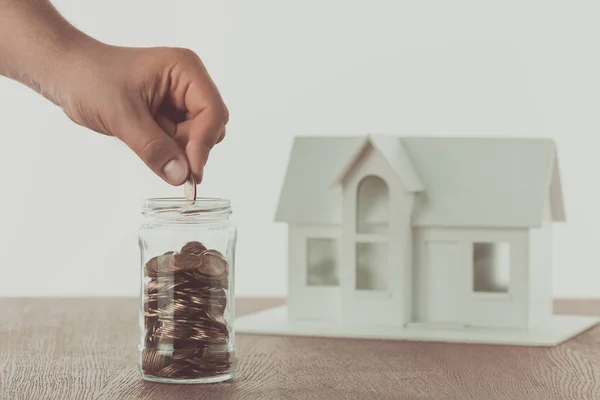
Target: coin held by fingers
189,188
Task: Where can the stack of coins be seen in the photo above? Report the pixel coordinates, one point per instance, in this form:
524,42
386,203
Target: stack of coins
187,334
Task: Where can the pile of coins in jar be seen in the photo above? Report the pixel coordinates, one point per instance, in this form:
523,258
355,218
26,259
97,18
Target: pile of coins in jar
185,300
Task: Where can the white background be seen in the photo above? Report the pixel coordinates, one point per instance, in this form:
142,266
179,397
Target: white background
70,203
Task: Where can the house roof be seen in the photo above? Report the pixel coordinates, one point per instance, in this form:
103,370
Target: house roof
394,153
474,182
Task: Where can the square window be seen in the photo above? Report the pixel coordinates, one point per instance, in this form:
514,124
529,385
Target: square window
322,262
372,263
491,266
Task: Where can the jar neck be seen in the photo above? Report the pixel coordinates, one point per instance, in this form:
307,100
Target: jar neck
176,210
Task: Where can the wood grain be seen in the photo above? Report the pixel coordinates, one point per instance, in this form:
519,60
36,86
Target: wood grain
64,349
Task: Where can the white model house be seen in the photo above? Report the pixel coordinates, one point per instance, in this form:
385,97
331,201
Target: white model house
421,238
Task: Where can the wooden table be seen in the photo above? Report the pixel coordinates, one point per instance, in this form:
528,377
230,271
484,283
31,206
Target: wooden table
64,349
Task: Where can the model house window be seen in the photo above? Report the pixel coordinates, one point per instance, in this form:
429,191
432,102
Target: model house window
491,267
372,227
371,266
372,206
322,262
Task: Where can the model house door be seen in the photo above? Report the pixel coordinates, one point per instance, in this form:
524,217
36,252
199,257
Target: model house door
445,282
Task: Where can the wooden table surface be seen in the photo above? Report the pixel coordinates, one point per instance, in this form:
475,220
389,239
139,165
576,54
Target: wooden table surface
64,349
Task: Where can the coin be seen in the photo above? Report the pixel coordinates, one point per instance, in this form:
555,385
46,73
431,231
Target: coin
166,263
189,188
214,263
173,369
195,248
152,286
187,261
154,361
151,268
160,263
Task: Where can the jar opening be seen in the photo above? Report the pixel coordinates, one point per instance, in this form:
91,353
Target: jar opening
177,208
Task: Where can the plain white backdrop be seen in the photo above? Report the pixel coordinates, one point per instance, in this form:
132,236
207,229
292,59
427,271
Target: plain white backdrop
70,200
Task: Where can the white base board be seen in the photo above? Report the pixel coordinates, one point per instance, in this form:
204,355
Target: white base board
558,329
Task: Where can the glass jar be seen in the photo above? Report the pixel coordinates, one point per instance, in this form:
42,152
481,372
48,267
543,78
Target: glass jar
187,291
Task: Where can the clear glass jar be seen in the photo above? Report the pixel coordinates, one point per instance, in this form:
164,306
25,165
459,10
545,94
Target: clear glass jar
187,291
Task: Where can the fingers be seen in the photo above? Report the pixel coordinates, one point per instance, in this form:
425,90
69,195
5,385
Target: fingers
156,148
198,136
221,136
209,116
197,152
166,124
206,130
203,125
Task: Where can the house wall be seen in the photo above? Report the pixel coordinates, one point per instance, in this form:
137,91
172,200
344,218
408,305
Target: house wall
393,305
445,294
541,270
310,302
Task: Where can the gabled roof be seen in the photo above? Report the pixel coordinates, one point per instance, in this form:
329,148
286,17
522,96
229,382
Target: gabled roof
307,195
393,152
474,182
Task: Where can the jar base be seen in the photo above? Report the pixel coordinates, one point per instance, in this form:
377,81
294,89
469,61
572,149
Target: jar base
185,381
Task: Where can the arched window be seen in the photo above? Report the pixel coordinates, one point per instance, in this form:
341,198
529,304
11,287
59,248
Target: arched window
372,220
373,206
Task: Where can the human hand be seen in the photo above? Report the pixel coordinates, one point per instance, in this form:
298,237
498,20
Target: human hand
161,102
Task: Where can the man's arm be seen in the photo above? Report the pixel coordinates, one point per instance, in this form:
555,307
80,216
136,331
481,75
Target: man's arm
36,42
160,101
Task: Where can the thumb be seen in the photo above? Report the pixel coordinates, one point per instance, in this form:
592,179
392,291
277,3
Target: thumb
156,149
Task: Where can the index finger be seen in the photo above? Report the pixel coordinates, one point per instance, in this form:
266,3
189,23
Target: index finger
202,92
200,135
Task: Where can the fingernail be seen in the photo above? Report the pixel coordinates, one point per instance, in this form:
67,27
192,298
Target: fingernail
175,172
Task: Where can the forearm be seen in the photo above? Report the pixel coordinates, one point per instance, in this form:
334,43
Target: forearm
36,43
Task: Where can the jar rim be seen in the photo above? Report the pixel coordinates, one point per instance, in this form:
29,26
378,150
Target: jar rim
178,207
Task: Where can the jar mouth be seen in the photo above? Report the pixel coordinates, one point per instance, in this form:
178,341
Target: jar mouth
179,208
